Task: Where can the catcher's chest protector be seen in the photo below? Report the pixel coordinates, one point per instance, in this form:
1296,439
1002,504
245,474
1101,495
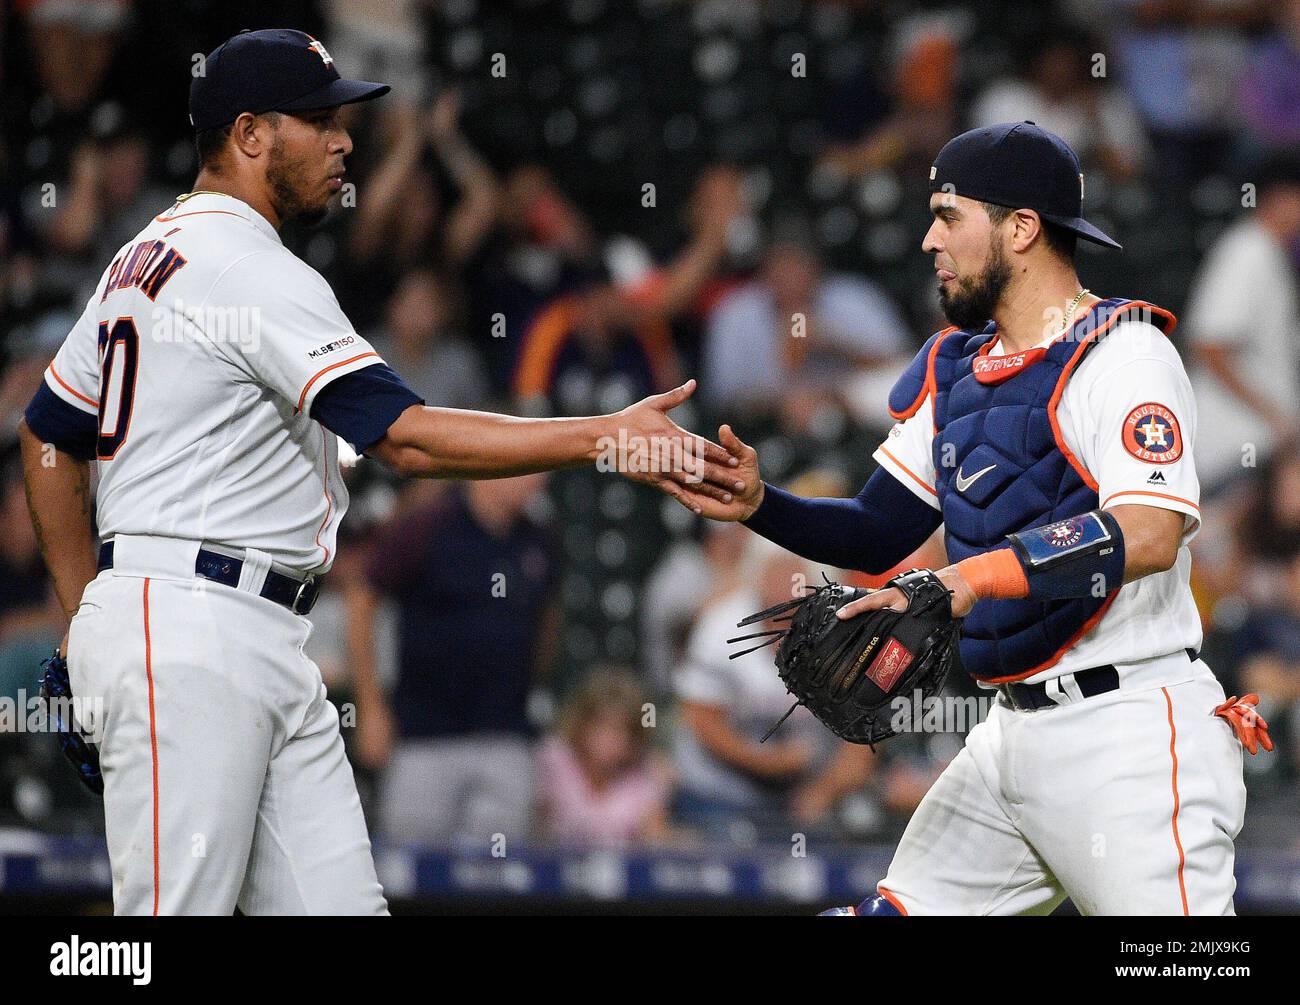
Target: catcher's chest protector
1001,467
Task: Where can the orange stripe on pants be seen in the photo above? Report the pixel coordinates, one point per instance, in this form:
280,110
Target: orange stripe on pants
153,741
1173,754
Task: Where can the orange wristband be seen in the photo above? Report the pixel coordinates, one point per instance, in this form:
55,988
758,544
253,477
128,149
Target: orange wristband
995,575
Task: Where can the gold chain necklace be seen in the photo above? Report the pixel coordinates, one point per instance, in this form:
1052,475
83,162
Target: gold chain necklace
191,195
1074,306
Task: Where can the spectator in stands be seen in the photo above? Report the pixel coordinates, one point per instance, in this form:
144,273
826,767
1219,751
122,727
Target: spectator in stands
1271,89
401,220
472,577
726,776
1269,524
923,103
1180,61
1241,322
590,347
797,327
71,50
55,109
415,341
107,198
1267,663
687,575
608,341
540,247
378,39
31,346
1061,93
601,781
31,623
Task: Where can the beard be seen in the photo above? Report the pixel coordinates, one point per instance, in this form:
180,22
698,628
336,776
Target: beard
973,302
287,190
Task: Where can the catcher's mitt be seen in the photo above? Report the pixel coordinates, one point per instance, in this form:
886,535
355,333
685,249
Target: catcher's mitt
56,692
847,672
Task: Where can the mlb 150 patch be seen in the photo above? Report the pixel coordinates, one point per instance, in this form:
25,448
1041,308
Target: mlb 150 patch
1151,434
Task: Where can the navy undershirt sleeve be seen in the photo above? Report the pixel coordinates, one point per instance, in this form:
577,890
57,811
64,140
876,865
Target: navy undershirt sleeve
872,532
360,406
70,429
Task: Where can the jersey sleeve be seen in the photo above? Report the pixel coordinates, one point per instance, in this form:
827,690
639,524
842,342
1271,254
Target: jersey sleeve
1144,421
73,375
297,339
360,406
908,453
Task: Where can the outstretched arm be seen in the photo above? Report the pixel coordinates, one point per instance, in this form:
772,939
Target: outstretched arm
641,442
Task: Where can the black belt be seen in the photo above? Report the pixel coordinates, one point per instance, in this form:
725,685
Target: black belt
299,595
1092,682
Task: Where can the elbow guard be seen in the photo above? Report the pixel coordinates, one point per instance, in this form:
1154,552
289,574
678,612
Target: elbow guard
1082,556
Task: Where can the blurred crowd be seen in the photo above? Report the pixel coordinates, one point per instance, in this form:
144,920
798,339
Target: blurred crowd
565,205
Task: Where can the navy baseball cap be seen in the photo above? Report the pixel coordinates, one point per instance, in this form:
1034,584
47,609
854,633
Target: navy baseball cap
1019,165
276,69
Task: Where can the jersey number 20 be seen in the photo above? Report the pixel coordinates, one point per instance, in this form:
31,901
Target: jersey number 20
119,357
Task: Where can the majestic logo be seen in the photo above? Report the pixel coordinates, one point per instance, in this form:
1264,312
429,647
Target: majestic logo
319,49
889,665
1157,478
1151,434
964,482
1065,534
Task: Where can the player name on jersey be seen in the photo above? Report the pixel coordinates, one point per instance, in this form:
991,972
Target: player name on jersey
147,265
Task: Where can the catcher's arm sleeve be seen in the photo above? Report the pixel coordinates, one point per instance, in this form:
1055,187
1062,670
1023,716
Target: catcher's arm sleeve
872,532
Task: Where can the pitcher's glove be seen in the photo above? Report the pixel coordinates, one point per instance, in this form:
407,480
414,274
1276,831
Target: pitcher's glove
56,693
847,672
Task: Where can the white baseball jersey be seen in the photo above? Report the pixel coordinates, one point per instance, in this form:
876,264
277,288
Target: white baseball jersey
206,342
201,353
1128,801
1128,414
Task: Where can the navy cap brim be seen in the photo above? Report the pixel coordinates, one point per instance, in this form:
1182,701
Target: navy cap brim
1084,229
336,92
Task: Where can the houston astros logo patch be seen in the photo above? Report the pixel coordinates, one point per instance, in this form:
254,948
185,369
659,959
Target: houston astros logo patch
1065,534
1151,434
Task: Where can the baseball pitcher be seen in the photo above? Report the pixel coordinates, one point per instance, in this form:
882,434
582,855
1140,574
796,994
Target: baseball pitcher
209,382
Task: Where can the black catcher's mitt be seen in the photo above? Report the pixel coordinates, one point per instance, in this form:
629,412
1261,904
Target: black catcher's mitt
848,672
56,692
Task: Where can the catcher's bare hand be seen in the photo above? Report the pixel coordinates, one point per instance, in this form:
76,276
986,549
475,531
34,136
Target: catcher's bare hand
656,451
743,502
963,597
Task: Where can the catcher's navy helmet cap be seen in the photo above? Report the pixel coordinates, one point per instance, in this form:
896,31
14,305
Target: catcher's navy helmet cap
1022,166
275,69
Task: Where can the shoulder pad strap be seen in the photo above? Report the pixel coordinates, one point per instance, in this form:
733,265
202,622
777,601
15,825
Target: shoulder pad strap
917,380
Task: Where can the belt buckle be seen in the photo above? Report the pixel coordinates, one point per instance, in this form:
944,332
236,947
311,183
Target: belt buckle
305,599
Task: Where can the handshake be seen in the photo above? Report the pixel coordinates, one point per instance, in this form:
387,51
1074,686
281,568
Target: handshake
715,480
